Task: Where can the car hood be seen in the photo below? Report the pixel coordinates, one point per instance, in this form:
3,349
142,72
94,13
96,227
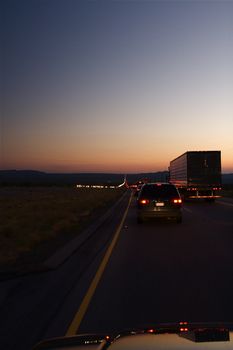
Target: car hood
181,336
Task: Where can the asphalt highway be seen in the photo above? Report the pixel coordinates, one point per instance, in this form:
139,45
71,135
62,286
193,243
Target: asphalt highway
168,272
156,272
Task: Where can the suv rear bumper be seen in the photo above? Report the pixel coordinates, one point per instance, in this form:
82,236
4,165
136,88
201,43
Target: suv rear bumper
147,214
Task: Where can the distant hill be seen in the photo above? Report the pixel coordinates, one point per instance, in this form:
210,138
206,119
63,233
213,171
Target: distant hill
31,177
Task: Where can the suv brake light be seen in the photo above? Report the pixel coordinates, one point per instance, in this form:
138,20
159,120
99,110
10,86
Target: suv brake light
144,201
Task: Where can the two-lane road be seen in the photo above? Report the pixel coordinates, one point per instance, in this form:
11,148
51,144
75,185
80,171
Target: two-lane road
156,272
165,272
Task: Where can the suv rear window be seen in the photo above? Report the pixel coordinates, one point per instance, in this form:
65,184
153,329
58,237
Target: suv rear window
159,191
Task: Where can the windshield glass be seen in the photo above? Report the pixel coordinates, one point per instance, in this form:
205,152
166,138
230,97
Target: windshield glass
159,191
116,166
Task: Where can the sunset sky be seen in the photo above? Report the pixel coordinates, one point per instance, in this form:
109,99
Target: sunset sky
115,86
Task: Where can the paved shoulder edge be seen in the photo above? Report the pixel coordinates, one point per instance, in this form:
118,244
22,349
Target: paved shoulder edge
72,246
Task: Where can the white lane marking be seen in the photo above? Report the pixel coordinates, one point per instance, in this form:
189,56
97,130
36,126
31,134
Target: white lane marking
188,210
225,203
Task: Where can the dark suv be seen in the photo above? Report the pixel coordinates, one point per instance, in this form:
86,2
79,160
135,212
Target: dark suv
159,200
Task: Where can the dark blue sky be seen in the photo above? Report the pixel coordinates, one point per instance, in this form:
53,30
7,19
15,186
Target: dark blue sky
115,85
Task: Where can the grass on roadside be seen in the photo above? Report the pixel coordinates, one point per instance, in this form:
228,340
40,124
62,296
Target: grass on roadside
34,216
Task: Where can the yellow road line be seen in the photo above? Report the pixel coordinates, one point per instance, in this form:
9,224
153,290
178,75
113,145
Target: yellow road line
75,324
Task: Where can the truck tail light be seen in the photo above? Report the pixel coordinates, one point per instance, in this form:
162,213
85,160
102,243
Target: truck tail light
177,201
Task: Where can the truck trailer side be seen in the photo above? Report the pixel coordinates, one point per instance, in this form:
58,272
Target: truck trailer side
197,174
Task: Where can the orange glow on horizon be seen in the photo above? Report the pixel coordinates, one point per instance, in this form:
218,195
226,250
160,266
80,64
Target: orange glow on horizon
110,167
66,159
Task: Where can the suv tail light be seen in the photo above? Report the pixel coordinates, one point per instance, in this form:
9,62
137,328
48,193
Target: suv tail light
144,201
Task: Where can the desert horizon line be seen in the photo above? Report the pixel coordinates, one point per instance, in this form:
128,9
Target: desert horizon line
95,172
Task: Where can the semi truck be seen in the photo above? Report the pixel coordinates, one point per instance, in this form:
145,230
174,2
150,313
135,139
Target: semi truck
197,174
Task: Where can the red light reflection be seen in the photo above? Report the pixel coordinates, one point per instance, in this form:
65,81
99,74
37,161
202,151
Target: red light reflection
150,331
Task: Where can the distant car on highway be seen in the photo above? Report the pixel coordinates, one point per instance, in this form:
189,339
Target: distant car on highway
138,189
159,200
